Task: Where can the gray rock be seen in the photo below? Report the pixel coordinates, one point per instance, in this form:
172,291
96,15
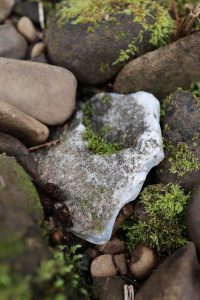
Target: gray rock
192,218
97,179
47,93
5,8
21,125
91,52
162,71
12,43
177,278
181,124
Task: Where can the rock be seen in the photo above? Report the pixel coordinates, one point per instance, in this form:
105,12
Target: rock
113,246
120,261
192,218
37,49
111,288
22,244
27,29
5,8
40,59
47,93
21,125
151,71
177,278
143,261
181,123
124,214
12,44
28,9
108,158
86,48
103,266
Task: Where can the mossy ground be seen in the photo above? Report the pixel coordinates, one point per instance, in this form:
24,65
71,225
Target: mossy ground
164,229
150,15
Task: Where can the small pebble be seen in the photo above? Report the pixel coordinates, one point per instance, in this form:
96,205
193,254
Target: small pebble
121,263
37,49
103,266
27,29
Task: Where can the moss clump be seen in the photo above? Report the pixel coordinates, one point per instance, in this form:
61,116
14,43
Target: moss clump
97,144
164,229
195,88
13,286
181,160
59,278
150,15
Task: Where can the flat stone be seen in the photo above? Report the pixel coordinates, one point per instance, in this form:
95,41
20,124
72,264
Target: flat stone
21,125
177,278
5,8
181,123
12,43
45,92
103,266
163,70
98,186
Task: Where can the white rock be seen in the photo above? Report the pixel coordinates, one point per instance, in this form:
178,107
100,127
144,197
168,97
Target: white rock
98,186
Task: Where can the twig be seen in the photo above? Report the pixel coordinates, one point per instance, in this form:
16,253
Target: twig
188,22
129,292
41,14
48,144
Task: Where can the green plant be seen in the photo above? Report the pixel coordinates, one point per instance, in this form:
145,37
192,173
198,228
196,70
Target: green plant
163,229
195,88
59,277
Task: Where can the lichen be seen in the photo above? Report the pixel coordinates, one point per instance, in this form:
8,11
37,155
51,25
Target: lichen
180,158
150,15
164,228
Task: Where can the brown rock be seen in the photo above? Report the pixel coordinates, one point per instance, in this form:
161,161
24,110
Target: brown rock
111,288
181,124
27,29
177,278
37,50
162,71
114,246
5,8
45,92
120,261
103,266
143,261
21,125
193,217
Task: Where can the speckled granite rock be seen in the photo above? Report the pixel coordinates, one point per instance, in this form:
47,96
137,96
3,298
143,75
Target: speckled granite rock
97,186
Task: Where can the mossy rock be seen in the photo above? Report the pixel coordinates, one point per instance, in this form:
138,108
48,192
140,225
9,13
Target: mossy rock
181,123
22,244
94,39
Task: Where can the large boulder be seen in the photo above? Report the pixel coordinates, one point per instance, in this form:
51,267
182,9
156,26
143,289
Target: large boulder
45,92
162,71
103,159
12,43
95,39
177,278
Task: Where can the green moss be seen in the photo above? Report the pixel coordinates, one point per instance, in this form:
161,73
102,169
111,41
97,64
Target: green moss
104,68
181,160
195,88
12,244
98,227
164,229
12,286
151,16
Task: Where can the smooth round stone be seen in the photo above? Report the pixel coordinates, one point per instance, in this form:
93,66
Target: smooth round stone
103,266
21,125
37,49
114,246
27,29
5,8
12,43
45,92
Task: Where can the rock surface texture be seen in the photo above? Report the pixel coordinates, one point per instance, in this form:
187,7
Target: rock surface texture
12,43
21,125
5,8
102,165
162,71
181,123
45,92
177,278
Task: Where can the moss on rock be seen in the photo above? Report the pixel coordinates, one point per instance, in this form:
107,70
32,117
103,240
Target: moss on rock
164,228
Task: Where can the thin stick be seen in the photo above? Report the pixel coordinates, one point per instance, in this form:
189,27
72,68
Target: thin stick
129,292
188,22
48,144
